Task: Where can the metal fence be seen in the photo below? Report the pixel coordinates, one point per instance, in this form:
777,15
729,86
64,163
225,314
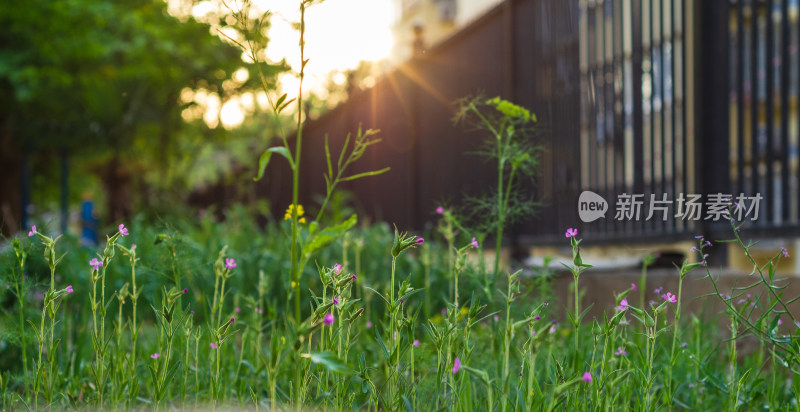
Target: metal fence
651,97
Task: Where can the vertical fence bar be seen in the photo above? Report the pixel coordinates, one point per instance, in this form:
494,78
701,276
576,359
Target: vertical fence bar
754,100
638,115
769,65
673,103
713,112
740,97
785,66
662,156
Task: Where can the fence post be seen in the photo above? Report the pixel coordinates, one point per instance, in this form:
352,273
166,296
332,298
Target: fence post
712,144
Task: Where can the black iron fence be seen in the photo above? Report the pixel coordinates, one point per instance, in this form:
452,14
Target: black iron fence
658,99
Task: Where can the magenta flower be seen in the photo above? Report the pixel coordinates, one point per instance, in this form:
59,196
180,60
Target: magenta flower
496,318
658,290
440,210
96,264
420,241
633,287
444,311
537,317
369,324
185,290
587,377
669,297
260,311
684,344
623,304
475,243
337,268
213,345
328,318
155,356
232,320
133,245
230,263
237,309
456,366
335,301
416,342
571,232
123,230
783,249
69,289
355,277
620,352
32,231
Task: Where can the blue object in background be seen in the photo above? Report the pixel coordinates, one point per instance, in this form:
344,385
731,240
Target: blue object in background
88,223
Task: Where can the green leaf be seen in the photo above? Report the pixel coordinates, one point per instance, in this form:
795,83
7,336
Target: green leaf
480,374
330,362
263,160
280,100
365,174
328,235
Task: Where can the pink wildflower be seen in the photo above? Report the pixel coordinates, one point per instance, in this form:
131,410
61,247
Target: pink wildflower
213,345
572,232
416,343
587,377
155,356
440,210
328,318
123,230
669,297
96,264
456,366
230,263
32,231
69,289
475,243
337,268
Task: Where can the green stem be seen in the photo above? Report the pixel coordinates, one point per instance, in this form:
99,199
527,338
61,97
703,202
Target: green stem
674,341
296,170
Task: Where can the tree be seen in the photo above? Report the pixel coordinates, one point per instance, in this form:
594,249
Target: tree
102,79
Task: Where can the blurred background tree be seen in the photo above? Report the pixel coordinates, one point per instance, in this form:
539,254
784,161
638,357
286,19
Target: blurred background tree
105,96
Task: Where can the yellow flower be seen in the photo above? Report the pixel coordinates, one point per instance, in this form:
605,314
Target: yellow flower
294,284
292,210
283,340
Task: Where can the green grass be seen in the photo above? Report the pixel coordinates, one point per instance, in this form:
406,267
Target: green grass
519,348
